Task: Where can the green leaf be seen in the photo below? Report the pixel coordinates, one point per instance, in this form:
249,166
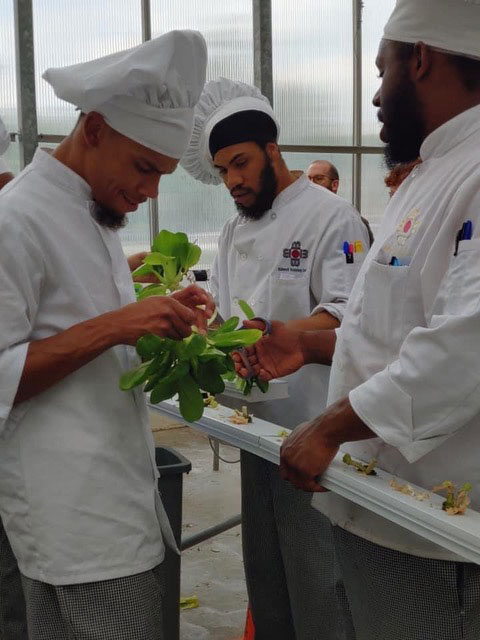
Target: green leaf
209,377
247,309
229,325
172,244
261,384
194,345
230,376
191,401
168,263
212,354
163,390
241,338
151,345
160,365
193,256
144,270
134,377
152,290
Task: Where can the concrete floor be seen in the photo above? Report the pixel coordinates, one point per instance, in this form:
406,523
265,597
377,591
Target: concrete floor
213,570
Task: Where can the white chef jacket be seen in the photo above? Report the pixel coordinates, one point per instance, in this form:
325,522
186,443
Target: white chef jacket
286,265
408,351
78,491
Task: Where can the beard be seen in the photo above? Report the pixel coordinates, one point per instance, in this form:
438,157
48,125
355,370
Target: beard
108,218
404,124
266,195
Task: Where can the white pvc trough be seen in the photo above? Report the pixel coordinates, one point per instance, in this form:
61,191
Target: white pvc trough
459,534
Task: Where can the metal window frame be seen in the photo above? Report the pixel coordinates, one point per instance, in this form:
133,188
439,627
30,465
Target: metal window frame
263,74
25,76
29,137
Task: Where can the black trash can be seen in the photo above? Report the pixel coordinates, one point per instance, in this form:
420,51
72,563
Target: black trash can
171,466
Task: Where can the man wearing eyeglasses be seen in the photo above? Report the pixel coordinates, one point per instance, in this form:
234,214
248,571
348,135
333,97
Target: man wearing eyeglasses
325,174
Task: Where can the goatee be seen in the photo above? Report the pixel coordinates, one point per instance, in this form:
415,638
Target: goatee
108,218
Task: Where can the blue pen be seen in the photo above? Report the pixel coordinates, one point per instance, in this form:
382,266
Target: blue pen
394,262
467,230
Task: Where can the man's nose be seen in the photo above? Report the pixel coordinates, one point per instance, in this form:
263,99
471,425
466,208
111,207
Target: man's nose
376,99
149,188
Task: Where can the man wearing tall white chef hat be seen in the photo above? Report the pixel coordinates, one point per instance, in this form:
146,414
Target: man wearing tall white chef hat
78,494
406,365
283,253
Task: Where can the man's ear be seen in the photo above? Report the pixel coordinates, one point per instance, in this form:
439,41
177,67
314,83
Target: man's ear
421,60
94,129
273,151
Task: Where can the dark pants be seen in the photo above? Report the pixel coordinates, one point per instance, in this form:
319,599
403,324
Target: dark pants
397,596
288,556
13,621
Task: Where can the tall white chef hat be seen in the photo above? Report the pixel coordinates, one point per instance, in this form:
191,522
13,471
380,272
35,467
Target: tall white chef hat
147,93
450,25
4,144
228,112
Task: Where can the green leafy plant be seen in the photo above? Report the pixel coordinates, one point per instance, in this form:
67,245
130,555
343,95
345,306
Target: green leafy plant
199,363
456,501
171,257
188,367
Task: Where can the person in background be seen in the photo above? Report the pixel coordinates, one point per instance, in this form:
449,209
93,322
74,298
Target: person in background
78,479
284,253
406,359
398,173
325,174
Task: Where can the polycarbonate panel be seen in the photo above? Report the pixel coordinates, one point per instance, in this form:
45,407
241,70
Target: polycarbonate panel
8,98
197,209
12,158
342,162
69,32
135,236
374,192
226,26
375,16
313,71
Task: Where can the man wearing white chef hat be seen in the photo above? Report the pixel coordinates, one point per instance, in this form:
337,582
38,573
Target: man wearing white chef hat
78,494
283,253
406,364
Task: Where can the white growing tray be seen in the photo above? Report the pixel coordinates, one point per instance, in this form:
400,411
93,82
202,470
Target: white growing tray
459,534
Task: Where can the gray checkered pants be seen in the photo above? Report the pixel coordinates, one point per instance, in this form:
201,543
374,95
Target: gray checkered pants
397,596
127,608
13,621
288,557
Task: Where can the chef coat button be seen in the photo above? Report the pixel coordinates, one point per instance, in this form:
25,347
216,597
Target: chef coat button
273,215
243,256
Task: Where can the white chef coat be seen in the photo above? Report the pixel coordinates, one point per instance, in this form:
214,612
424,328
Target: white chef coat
77,468
408,351
286,265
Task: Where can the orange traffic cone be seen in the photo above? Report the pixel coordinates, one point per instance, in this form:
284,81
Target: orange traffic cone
249,633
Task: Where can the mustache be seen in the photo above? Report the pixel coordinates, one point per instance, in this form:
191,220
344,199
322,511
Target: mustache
238,191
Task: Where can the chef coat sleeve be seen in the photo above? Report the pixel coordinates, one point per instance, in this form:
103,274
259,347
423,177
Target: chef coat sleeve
21,275
332,277
433,389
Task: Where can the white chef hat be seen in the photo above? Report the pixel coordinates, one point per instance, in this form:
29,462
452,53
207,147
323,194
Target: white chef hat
4,144
228,112
450,25
146,93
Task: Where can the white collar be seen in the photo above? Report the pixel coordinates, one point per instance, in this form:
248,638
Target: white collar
451,133
61,175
